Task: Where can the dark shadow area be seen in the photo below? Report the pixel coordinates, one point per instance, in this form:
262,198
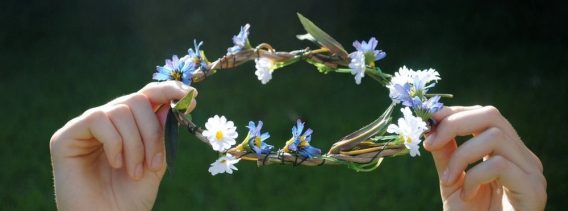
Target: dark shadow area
60,58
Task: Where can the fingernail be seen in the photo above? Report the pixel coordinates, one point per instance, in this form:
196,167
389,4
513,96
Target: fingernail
445,176
157,161
118,160
138,171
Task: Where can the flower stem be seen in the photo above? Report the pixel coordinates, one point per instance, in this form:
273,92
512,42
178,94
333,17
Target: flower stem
441,95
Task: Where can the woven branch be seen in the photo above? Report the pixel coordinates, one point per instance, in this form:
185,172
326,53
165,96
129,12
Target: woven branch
365,156
321,56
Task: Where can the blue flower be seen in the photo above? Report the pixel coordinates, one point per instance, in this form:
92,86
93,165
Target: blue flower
240,41
175,69
256,139
369,49
401,93
300,143
196,58
430,106
309,152
363,56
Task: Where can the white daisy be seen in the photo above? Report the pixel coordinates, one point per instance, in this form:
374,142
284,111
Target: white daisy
404,75
264,68
220,133
409,128
357,65
225,164
423,77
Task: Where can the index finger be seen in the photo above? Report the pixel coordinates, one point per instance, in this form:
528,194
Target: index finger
443,154
449,110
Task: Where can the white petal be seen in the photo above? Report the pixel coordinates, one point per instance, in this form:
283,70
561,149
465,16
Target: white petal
414,149
206,133
215,145
230,124
392,128
406,112
224,164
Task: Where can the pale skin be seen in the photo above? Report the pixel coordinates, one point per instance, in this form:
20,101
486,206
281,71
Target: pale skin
112,157
509,176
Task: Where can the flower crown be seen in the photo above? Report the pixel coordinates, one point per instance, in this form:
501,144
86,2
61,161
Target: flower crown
362,150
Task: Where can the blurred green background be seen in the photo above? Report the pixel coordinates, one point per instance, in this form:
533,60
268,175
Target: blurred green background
60,58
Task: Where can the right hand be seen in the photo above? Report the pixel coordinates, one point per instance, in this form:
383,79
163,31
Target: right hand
509,175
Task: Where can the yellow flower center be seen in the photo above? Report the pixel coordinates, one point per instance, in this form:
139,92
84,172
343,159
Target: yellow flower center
288,144
303,142
257,141
176,75
407,140
223,161
219,135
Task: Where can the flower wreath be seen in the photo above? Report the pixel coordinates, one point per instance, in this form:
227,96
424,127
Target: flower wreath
362,150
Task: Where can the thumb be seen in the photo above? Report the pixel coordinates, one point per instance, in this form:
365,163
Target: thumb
163,92
162,114
442,155
441,159
160,94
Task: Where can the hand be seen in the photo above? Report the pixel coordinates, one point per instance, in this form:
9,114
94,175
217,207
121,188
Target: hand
509,176
112,157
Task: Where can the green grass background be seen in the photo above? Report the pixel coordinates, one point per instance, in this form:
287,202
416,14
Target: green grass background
60,58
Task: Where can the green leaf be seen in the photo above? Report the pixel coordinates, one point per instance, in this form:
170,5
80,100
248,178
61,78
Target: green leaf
365,167
363,134
323,38
171,132
384,138
182,104
322,68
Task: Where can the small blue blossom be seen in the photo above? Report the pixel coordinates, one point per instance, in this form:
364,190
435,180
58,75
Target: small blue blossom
401,93
240,41
369,49
300,143
431,105
256,139
364,55
174,69
425,108
195,57
309,152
